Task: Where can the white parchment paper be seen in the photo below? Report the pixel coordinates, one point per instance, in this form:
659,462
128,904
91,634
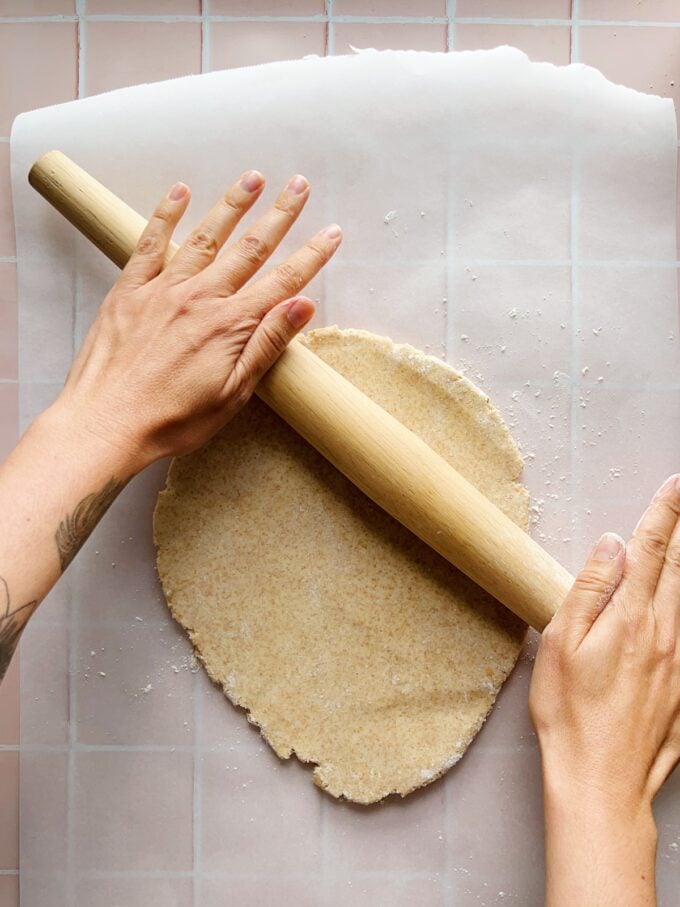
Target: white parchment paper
517,218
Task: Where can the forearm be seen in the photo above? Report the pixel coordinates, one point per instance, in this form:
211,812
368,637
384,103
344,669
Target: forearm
54,487
599,851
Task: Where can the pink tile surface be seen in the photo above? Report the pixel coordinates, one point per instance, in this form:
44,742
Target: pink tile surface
44,681
490,333
136,892
610,421
267,7
9,417
521,230
44,819
127,53
515,9
8,321
124,53
656,52
9,891
144,7
280,803
495,839
9,704
648,319
377,293
37,7
9,810
388,36
131,670
550,44
258,892
631,10
389,8
235,44
38,67
133,811
411,833
7,243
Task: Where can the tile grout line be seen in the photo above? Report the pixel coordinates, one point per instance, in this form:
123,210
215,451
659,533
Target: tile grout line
81,10
330,28
574,50
205,36
448,895
197,805
348,19
450,24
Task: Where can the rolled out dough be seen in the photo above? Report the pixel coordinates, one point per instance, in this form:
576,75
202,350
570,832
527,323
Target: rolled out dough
349,641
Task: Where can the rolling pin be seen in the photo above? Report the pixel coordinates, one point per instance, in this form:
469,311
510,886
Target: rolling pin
387,461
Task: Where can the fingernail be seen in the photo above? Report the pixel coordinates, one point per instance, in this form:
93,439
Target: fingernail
299,312
333,231
608,548
251,180
179,190
297,184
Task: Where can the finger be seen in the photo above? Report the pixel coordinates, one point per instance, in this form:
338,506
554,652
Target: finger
291,276
200,248
592,590
238,263
146,262
667,594
271,337
648,547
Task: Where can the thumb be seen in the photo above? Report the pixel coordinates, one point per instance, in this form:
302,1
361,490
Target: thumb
592,590
272,336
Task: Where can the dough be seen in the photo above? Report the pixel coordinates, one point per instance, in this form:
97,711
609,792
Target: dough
350,642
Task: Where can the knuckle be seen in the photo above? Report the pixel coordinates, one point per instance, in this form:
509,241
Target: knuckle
163,214
285,206
230,203
318,253
666,644
253,248
589,581
551,640
149,245
203,242
288,277
653,544
673,557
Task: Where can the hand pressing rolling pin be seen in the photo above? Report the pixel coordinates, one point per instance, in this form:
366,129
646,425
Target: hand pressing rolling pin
173,355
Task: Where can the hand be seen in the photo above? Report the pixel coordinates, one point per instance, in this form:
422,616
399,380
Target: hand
174,353
605,694
605,702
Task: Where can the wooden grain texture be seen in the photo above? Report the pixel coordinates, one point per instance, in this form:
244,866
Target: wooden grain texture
389,463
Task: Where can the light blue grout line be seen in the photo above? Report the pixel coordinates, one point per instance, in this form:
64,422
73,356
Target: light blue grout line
331,19
377,20
451,24
205,36
575,34
81,10
197,806
9,872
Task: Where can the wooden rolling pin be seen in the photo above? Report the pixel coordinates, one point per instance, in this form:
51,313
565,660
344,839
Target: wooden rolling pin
384,459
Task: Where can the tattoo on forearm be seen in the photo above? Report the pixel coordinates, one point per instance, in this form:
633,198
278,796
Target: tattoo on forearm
11,625
75,528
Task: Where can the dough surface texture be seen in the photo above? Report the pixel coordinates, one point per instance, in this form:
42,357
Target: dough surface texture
350,643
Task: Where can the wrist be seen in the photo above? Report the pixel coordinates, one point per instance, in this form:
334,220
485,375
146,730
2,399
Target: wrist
73,433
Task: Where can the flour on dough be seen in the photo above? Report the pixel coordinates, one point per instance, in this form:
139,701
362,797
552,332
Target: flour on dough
350,642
